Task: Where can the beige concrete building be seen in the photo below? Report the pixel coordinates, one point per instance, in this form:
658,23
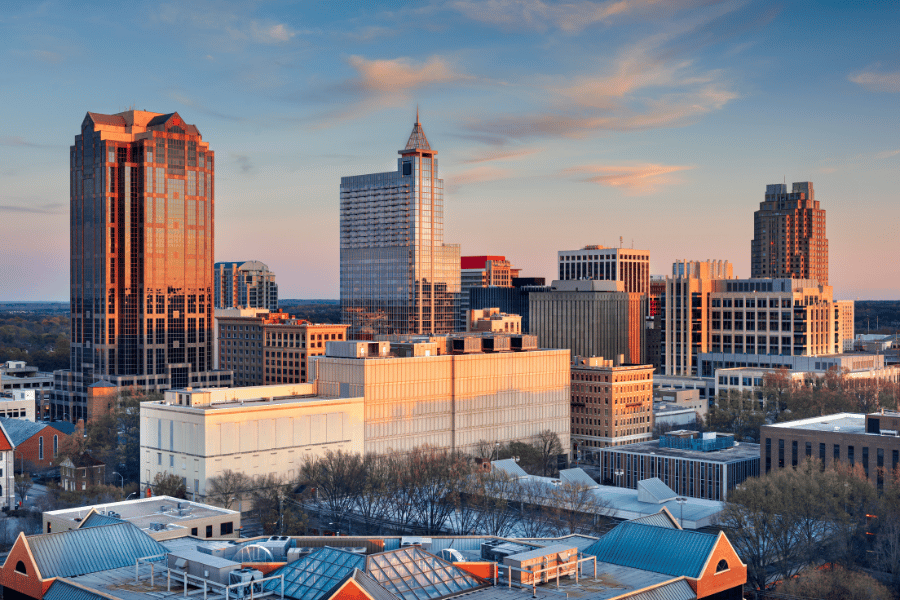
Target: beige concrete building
452,392
846,324
160,517
591,318
630,266
611,404
684,312
18,405
16,376
199,433
491,320
271,347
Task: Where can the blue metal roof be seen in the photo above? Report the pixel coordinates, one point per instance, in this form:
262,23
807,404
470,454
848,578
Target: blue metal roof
95,519
81,551
660,519
66,590
310,578
668,551
20,430
676,590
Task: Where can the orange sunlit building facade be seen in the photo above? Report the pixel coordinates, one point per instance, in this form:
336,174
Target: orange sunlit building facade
141,227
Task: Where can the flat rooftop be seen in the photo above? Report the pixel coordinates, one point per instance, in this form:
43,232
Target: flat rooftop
740,451
144,511
842,422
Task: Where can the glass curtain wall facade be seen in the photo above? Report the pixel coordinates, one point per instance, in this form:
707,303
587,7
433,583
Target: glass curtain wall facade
141,226
397,275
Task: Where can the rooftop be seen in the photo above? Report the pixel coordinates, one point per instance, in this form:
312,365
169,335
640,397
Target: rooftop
740,451
843,422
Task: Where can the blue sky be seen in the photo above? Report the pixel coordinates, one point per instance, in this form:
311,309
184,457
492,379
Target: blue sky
557,124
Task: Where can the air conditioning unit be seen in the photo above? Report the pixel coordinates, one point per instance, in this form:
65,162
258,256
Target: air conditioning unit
247,576
158,526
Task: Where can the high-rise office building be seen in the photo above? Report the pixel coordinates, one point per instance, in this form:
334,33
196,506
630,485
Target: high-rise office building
142,196
607,264
789,235
397,275
482,271
248,284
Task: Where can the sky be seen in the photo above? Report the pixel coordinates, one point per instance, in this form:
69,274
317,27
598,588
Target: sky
557,124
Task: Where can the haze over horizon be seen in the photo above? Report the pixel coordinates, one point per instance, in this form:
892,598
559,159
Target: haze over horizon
557,124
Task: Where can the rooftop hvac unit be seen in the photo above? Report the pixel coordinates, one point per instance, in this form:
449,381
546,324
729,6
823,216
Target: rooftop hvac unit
247,576
452,555
277,544
295,554
423,542
158,526
113,514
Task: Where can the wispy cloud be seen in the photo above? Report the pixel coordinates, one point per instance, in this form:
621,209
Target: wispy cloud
234,20
476,175
500,155
633,179
200,107
875,80
44,209
48,56
536,15
15,140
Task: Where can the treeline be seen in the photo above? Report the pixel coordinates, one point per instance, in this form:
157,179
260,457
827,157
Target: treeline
877,316
797,519
40,340
426,491
313,311
783,399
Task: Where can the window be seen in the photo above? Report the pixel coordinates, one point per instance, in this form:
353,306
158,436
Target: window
226,528
55,445
159,458
41,448
209,531
20,567
722,566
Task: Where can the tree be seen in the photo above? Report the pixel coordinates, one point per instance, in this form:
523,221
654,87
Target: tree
23,483
737,413
226,488
494,499
436,484
279,512
169,484
374,498
550,448
335,477
834,584
576,508
537,518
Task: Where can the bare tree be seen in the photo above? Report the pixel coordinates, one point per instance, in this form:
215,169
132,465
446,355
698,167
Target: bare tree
373,497
437,476
577,508
536,516
400,486
227,488
550,447
336,478
23,483
278,510
497,495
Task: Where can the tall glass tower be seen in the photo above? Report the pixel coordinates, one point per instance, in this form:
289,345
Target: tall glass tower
141,259
397,275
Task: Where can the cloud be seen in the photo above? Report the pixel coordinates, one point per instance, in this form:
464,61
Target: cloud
634,179
232,19
54,58
876,81
476,175
199,107
494,154
570,17
15,140
45,209
887,154
370,33
271,33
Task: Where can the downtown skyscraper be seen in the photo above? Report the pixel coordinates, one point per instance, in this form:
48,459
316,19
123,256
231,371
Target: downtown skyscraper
397,275
789,235
141,260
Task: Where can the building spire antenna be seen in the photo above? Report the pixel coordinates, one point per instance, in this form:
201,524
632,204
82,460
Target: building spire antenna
417,114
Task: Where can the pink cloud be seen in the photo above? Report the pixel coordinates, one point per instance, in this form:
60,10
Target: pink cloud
634,179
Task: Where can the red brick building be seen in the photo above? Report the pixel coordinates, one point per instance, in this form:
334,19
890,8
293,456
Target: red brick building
37,444
82,472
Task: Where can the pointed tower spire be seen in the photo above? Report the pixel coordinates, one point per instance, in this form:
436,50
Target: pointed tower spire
417,139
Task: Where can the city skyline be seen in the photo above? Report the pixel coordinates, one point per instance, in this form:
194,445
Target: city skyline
592,121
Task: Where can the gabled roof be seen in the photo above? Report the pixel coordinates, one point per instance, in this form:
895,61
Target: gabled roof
510,467
5,441
417,139
578,476
365,583
82,551
661,519
653,490
679,589
95,519
63,426
19,430
672,552
63,589
413,574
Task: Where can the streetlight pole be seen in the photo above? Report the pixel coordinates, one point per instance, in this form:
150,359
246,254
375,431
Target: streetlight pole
618,473
121,477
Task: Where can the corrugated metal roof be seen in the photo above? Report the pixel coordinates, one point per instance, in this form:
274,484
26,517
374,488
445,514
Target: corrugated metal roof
95,519
80,551
676,590
510,467
654,490
669,551
660,519
67,590
577,476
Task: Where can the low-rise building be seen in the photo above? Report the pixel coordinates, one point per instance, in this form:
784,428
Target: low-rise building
270,347
612,404
16,376
491,320
871,441
18,405
197,434
456,392
695,465
160,517
673,408
37,444
510,300
81,472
